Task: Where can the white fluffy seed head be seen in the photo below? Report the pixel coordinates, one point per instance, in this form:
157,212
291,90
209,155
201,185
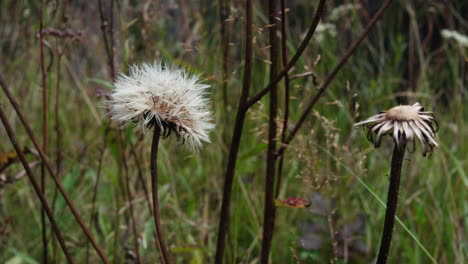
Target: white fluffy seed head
166,96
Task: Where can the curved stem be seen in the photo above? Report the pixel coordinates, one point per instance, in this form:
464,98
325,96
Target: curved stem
392,200
154,188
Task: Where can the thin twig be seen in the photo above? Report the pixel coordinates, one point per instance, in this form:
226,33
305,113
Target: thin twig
58,146
234,148
331,76
154,188
36,186
45,159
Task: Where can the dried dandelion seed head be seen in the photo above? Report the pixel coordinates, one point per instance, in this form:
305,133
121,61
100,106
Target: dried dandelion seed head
162,95
404,122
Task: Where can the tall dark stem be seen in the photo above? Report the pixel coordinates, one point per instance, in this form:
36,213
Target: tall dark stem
36,186
234,148
269,212
392,200
154,187
44,127
284,53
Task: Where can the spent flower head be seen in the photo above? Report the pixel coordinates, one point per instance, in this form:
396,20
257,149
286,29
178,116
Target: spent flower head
404,122
165,96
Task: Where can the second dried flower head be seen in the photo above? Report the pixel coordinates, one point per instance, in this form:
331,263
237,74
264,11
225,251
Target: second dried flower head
404,122
165,96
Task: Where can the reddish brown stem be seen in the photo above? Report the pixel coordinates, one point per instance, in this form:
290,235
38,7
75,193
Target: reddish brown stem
45,160
36,186
154,188
234,148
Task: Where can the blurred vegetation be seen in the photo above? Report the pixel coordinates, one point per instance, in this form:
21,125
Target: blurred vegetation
404,60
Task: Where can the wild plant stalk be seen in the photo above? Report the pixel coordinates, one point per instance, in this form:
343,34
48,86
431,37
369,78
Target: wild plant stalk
269,212
244,104
392,201
154,188
234,148
284,53
58,144
44,126
58,134
48,165
36,186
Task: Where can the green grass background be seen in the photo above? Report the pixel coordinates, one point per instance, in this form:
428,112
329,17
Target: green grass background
328,158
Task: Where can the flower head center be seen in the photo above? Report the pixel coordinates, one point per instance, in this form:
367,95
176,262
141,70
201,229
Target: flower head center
403,113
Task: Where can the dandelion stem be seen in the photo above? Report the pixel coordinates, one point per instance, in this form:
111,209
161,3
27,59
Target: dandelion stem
154,187
392,200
